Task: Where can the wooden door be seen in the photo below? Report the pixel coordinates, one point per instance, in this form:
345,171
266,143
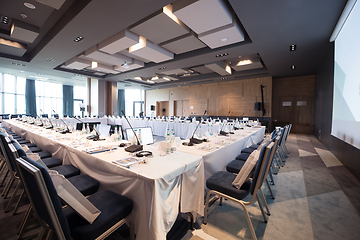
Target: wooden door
185,108
178,108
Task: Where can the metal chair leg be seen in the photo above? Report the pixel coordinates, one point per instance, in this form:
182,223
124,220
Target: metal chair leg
206,207
249,221
4,178
264,201
261,208
24,221
271,193
13,196
7,187
18,202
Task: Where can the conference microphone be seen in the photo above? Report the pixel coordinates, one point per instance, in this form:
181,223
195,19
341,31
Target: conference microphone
67,130
41,121
238,128
94,137
221,131
195,140
133,148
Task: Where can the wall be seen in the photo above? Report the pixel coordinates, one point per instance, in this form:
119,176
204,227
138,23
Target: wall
347,154
219,98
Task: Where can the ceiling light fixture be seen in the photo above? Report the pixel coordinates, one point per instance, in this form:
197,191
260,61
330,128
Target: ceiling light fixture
125,65
292,67
94,64
167,79
223,39
138,78
150,81
155,78
161,68
5,20
244,62
50,59
78,39
29,5
292,47
223,78
23,15
222,55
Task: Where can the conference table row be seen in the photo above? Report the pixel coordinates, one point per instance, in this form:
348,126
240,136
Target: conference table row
161,186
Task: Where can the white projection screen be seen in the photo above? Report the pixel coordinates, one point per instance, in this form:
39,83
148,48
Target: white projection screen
346,99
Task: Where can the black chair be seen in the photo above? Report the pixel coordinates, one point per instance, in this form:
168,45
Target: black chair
66,223
79,126
220,184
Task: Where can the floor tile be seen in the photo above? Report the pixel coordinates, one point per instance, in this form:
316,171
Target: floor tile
344,177
292,164
319,181
353,194
312,162
333,217
329,159
303,153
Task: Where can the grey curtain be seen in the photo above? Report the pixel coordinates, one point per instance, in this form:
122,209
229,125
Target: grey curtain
68,100
121,101
30,97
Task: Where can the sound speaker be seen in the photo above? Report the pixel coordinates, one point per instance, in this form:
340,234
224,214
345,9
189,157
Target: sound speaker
152,108
257,106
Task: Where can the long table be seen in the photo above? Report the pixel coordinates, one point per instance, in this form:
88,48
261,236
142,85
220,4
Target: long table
159,188
184,130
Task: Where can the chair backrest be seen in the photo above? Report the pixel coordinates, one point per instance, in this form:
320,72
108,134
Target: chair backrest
7,153
271,157
43,196
258,167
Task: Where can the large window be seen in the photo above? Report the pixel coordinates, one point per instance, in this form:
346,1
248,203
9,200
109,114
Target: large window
12,94
49,98
79,100
134,102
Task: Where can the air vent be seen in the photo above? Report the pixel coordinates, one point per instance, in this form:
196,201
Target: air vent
127,85
5,20
145,86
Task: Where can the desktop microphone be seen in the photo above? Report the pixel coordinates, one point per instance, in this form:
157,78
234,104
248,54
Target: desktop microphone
221,131
42,123
67,130
195,140
94,137
133,148
236,128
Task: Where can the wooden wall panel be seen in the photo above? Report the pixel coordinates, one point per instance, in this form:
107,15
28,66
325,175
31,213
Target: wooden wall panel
219,98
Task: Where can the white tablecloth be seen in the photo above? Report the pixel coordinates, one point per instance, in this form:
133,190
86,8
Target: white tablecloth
221,150
157,188
159,128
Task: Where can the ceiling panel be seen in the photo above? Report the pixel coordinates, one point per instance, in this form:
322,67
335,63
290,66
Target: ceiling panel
148,50
225,35
174,71
114,59
105,69
12,48
119,42
77,63
161,26
202,70
202,15
220,67
52,3
24,31
182,44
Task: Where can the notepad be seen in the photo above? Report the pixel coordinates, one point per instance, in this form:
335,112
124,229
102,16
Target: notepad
126,162
97,149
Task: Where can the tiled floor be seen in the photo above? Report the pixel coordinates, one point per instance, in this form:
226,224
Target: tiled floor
316,197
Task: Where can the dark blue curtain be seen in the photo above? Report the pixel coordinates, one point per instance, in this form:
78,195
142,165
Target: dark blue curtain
30,97
68,100
121,101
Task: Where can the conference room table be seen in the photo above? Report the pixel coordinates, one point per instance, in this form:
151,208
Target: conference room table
184,129
219,151
159,188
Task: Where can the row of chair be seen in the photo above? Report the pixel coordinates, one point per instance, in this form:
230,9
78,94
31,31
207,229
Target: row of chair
272,156
54,216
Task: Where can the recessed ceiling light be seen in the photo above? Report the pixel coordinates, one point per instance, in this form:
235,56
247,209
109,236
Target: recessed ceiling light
223,39
50,59
222,55
78,39
23,15
162,68
223,78
5,20
29,5
150,81
94,64
244,62
292,67
292,47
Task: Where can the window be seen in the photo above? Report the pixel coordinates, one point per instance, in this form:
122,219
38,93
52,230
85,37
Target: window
134,101
12,94
48,98
80,98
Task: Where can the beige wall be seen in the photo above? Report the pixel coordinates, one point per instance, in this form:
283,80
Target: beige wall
237,96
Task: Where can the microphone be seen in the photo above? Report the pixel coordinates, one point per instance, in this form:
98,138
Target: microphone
67,130
195,140
42,123
94,137
133,148
221,131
